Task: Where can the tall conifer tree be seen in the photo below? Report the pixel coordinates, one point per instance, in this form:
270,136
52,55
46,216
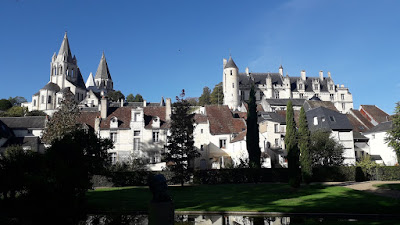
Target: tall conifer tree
304,146
291,147
393,137
252,136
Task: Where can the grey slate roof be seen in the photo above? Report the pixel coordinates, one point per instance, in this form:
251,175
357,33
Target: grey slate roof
65,48
271,116
283,101
230,64
102,70
24,122
327,120
5,131
135,104
51,87
382,127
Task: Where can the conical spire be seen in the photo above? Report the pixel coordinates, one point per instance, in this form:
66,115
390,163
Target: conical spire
90,81
102,71
65,47
230,64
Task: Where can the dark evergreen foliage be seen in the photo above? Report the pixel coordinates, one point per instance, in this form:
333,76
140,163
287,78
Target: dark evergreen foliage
291,144
205,98
180,148
393,137
115,96
304,145
5,104
252,136
217,95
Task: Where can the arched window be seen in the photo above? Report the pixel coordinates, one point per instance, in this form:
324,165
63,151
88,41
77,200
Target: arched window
34,102
49,99
54,70
60,70
72,73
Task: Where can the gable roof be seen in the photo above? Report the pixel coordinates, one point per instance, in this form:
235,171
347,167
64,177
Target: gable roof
123,115
271,116
296,115
382,127
90,81
155,111
27,122
376,113
222,122
240,136
200,118
51,87
359,122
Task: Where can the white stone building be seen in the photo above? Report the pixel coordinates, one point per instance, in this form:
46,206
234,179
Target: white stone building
236,87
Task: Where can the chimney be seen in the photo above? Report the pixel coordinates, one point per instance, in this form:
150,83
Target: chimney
103,107
303,75
329,74
144,103
122,102
247,71
281,70
224,60
168,109
97,121
321,75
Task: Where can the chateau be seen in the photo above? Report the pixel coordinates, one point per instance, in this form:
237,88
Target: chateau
236,87
65,76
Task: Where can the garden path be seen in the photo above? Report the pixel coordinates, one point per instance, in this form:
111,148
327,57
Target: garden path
368,186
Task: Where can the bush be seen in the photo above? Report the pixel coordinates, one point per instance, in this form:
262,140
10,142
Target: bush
388,173
334,173
245,175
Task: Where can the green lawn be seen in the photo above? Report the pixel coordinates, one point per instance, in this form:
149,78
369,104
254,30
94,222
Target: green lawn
246,197
389,186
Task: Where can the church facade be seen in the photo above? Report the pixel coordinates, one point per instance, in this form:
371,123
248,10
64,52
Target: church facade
236,87
65,76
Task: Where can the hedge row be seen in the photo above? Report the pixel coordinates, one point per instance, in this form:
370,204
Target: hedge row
224,176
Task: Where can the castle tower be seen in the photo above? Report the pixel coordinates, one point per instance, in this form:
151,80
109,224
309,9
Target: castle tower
103,79
63,65
231,84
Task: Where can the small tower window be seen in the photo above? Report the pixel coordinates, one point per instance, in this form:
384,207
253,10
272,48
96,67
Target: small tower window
42,99
300,86
49,99
61,69
315,86
233,85
231,72
34,102
54,71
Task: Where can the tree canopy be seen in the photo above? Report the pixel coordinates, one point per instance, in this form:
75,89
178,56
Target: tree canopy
115,96
16,101
180,144
217,95
252,136
291,144
325,150
393,137
205,98
5,104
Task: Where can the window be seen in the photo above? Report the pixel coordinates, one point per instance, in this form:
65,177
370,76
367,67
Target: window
136,117
136,144
233,85
136,133
155,136
34,102
241,95
222,143
315,86
59,100
231,72
300,86
113,136
315,120
54,71
331,97
276,128
332,118
331,87
49,99
42,99
276,94
201,147
276,142
323,119
301,95
201,131
316,95
342,96
343,106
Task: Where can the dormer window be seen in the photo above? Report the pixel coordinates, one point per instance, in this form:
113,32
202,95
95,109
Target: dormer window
315,86
332,119
331,87
300,86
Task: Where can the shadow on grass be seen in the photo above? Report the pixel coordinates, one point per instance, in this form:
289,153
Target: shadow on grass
249,197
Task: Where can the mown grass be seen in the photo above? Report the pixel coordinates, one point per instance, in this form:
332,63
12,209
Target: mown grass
388,186
246,197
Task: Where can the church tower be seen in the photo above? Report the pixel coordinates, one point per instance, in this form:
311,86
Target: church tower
231,84
103,79
63,65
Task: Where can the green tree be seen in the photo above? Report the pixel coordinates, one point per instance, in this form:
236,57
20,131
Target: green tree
181,150
304,145
115,96
5,104
130,98
393,138
252,136
325,150
35,113
63,121
138,98
292,147
16,101
205,98
193,101
16,111
217,95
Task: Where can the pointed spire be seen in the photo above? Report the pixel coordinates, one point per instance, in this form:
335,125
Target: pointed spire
102,70
90,81
230,63
65,46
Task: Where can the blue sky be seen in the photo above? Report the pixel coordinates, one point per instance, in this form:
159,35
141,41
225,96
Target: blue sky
157,48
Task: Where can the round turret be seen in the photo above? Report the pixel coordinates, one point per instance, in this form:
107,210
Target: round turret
231,84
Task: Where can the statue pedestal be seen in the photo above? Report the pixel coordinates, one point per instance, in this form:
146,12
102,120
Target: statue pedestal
161,213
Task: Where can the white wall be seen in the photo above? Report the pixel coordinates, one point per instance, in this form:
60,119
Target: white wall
378,146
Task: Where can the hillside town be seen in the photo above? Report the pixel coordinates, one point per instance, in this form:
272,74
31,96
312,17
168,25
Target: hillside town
139,130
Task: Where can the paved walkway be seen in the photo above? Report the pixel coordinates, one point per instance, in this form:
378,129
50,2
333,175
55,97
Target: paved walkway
368,186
